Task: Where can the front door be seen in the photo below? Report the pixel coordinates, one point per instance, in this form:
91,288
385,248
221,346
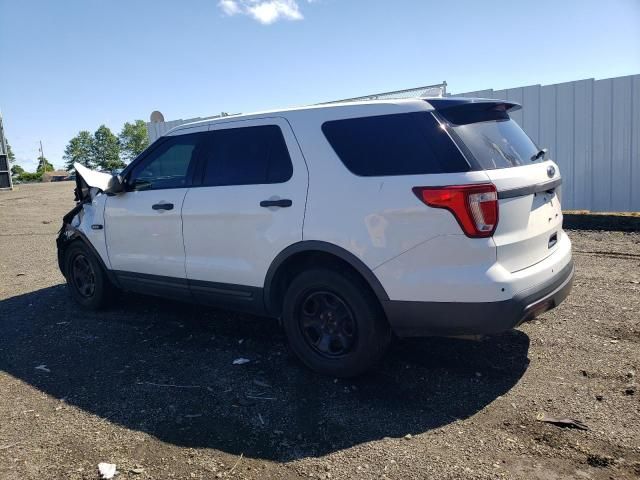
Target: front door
143,225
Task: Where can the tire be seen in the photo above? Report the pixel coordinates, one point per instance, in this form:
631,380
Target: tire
321,303
86,279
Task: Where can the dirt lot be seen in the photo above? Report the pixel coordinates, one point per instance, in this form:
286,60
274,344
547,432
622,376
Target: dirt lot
149,384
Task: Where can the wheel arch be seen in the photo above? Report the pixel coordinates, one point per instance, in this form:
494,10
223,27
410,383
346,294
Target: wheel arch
298,256
74,236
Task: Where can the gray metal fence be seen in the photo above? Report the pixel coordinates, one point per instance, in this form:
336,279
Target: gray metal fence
592,130
591,127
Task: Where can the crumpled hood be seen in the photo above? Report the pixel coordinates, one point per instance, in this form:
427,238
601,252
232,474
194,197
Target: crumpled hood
92,178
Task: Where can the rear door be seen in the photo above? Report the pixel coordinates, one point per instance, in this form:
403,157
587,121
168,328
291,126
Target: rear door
530,223
249,207
530,216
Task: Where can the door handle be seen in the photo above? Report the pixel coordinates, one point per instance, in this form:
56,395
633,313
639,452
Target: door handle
285,202
163,206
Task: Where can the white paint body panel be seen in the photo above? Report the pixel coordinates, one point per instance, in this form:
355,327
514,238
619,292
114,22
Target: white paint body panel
455,268
374,218
144,240
93,214
526,222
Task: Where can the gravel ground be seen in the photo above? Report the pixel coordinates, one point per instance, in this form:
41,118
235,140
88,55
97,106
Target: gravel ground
149,384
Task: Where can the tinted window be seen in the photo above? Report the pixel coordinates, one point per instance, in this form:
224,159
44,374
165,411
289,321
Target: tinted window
167,166
498,144
246,156
400,144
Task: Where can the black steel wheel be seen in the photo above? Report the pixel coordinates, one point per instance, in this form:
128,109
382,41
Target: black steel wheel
83,276
334,322
327,323
86,278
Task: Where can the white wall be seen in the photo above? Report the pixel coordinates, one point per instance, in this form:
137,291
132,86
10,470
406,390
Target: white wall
592,130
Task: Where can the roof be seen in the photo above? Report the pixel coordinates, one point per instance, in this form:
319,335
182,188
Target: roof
437,103
323,106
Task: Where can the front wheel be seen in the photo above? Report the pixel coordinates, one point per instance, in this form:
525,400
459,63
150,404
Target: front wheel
86,279
334,323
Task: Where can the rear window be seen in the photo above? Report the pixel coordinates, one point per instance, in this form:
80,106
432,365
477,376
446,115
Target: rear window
498,144
398,144
487,132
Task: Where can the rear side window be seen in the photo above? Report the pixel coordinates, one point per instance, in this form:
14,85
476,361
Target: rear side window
398,144
246,156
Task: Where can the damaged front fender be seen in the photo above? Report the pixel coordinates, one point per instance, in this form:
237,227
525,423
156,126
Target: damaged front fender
85,221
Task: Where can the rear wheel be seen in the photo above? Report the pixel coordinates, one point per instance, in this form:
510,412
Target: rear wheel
334,323
86,279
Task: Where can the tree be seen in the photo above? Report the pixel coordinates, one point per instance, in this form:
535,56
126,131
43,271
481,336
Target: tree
106,150
133,139
30,177
10,156
16,170
80,150
44,165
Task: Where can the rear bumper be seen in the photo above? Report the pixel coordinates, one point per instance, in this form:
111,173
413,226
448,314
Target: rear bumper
416,319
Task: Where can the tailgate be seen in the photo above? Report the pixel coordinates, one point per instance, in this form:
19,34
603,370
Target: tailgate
530,222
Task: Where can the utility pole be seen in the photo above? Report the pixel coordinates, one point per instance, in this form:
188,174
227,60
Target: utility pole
44,165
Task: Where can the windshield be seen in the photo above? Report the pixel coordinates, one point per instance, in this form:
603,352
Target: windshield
498,143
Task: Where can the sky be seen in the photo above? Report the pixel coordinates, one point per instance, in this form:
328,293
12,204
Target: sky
73,65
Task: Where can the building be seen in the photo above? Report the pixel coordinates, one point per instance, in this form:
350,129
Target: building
5,169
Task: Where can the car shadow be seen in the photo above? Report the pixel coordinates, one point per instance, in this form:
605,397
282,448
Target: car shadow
166,368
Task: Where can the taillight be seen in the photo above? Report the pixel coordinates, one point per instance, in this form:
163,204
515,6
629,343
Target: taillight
475,207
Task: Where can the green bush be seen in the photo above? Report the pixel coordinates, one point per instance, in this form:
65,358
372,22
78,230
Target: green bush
30,177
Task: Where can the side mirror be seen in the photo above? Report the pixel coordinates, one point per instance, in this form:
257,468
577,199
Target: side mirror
116,185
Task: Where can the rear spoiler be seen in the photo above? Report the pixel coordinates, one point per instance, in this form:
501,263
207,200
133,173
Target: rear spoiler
462,111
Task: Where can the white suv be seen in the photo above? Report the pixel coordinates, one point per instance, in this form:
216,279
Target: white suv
347,221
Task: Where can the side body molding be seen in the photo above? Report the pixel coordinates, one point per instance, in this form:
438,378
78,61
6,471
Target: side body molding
311,246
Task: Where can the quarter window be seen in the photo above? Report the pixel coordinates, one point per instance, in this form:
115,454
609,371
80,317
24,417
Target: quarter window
398,144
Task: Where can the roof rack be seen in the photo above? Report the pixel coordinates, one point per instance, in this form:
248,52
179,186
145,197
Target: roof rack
437,90
158,126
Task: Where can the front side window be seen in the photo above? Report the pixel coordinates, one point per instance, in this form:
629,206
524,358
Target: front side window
168,165
246,156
